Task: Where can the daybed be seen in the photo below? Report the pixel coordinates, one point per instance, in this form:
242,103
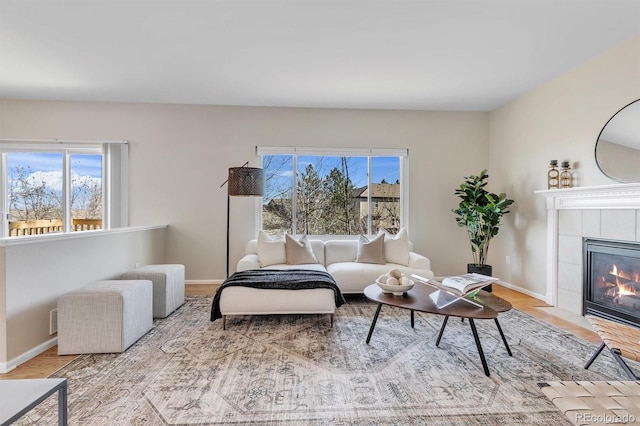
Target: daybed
353,264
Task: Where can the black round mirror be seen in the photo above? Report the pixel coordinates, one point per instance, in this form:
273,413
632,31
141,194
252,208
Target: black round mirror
618,145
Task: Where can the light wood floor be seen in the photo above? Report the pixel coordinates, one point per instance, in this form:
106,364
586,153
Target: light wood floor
48,362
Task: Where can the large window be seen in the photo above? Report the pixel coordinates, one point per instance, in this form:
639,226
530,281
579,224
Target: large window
57,188
337,191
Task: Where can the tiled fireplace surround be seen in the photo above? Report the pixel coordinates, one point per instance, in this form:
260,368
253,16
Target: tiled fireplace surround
607,212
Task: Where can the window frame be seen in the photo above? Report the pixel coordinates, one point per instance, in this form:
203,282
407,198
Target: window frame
114,179
401,153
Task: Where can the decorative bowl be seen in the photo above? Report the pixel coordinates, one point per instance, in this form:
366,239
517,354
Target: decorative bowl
397,290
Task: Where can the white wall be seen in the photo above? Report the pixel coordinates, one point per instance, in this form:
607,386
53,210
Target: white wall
559,120
179,155
3,311
36,273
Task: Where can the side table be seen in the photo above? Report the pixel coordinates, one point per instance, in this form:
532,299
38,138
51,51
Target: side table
22,395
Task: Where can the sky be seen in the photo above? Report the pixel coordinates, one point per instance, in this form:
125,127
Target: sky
47,167
279,172
387,168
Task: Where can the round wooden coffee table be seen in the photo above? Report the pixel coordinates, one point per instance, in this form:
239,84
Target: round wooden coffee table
423,297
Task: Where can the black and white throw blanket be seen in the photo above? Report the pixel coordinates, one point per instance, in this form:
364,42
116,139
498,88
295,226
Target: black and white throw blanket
278,279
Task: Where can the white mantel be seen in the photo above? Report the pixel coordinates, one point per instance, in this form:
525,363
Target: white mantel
604,197
619,196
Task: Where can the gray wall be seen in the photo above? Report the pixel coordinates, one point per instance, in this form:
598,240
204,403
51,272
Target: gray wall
36,273
179,155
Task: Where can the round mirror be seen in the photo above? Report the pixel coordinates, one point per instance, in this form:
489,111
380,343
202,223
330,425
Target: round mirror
618,145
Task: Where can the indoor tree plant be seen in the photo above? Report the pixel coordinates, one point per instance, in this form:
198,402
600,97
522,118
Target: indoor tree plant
480,212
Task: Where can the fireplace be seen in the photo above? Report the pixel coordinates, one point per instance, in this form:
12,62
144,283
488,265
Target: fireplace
611,278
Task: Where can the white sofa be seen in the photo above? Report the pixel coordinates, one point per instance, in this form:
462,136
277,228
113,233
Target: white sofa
338,258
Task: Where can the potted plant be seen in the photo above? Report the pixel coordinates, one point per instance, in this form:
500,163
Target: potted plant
480,212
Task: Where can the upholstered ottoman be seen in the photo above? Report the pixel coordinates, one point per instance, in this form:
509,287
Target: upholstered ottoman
104,316
168,286
269,292
596,403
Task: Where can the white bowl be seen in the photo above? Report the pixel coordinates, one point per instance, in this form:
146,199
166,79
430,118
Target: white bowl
398,290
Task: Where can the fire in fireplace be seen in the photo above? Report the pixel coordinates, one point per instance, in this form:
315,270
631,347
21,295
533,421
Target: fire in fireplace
612,280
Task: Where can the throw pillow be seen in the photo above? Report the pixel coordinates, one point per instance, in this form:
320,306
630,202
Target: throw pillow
271,250
396,247
299,252
371,251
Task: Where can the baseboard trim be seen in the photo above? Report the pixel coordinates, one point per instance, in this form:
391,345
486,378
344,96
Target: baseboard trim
6,367
518,289
525,291
203,282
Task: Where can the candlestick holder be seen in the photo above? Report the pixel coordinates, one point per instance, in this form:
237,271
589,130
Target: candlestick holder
566,176
553,175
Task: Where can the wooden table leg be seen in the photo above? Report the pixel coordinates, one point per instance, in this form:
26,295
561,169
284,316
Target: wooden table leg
373,323
412,319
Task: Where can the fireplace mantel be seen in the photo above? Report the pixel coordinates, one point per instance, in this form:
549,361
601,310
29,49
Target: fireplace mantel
619,196
602,197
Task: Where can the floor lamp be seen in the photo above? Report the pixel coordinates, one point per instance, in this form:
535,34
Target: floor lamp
242,182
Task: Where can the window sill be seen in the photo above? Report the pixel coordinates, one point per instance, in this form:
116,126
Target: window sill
30,239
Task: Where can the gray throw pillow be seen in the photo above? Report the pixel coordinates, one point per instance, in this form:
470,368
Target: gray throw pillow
299,252
371,251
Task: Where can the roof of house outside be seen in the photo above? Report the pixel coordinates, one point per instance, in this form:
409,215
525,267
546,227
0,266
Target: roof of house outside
379,190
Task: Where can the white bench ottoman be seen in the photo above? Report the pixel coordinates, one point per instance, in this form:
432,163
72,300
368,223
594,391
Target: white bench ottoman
258,301
168,286
104,316
268,292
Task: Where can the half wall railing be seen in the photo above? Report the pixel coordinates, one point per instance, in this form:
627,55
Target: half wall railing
46,226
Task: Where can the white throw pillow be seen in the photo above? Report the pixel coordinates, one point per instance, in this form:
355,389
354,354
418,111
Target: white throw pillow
299,252
271,250
371,251
396,247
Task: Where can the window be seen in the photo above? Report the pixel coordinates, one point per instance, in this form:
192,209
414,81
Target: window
61,187
86,191
337,191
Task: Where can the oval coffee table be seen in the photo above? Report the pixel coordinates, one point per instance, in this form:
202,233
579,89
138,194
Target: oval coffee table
485,306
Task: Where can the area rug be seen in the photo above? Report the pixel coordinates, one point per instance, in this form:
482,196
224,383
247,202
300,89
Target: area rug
295,369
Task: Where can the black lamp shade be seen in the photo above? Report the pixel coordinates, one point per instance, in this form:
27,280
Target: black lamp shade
246,181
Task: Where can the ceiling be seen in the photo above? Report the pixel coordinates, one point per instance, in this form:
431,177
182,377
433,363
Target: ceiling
465,55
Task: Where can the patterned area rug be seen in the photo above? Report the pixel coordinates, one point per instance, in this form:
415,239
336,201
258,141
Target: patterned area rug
294,369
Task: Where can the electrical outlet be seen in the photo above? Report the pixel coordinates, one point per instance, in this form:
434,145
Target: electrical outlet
508,260
53,321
